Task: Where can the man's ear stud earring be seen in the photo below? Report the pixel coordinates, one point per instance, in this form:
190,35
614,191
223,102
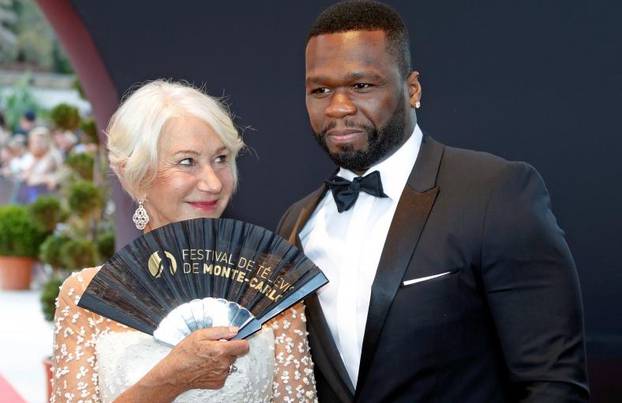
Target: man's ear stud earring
417,105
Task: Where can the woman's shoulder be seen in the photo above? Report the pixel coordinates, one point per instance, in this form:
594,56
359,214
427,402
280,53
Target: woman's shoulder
73,287
68,311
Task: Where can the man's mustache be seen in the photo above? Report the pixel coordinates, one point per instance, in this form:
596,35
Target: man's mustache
348,124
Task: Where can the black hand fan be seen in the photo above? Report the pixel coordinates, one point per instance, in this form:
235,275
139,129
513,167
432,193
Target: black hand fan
201,273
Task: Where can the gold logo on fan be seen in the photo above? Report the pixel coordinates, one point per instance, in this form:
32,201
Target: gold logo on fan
155,263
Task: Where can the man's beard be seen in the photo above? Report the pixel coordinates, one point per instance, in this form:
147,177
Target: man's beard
381,143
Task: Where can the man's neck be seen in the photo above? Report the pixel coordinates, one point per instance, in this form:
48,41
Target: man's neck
388,154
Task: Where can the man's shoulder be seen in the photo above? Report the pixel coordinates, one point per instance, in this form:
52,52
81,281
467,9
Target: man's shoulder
305,201
480,164
475,157
466,174
295,208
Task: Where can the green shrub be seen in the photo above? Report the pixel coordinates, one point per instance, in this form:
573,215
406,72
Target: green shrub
77,254
47,212
19,233
50,251
89,128
65,117
105,245
49,293
82,164
84,197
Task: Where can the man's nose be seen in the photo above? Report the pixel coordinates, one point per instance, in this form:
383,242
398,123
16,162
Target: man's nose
209,180
340,105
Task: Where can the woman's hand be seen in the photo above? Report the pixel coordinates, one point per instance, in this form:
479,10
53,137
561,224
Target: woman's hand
200,361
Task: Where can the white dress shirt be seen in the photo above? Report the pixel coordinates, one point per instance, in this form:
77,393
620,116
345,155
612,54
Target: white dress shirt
347,247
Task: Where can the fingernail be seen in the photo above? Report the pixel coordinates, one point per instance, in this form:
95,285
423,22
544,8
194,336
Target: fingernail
233,329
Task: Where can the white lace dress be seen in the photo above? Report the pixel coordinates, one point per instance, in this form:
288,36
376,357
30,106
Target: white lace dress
95,359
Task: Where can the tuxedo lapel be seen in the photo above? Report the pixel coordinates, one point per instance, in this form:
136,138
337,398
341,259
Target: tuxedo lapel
325,353
304,214
408,222
324,350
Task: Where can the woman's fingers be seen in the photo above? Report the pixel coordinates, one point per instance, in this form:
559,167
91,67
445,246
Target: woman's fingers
203,359
231,347
216,333
236,348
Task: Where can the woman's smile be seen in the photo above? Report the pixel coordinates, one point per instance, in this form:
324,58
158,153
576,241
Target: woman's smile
206,206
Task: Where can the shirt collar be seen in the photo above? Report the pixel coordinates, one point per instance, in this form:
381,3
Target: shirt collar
394,170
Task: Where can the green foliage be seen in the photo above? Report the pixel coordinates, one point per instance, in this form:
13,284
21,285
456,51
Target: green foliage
82,164
50,251
27,38
105,245
32,50
78,254
77,85
60,62
19,100
89,128
8,40
19,233
47,212
85,198
65,117
49,293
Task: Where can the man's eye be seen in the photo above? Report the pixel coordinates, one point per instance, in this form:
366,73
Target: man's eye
320,91
362,86
187,162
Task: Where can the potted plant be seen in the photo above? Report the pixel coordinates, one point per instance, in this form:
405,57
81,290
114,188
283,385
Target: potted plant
47,212
84,237
65,254
79,224
79,240
82,164
65,117
20,238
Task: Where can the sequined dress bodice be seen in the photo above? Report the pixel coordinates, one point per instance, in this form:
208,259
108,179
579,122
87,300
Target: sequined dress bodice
125,357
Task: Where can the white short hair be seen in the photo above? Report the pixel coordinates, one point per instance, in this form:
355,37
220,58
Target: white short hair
135,129
43,133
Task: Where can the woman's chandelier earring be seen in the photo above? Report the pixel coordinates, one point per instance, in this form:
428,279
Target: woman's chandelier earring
140,217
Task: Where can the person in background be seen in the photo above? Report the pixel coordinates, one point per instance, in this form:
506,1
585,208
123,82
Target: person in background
4,133
11,165
13,159
26,123
64,141
43,167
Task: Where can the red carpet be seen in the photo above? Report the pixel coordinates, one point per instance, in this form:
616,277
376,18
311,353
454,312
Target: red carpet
8,394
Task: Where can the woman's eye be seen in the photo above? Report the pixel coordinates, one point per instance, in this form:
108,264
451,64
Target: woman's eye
187,162
222,159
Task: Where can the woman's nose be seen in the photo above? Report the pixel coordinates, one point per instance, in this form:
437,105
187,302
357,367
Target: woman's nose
209,180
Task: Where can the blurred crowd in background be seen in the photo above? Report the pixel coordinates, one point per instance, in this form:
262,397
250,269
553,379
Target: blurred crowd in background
42,108
55,207
33,154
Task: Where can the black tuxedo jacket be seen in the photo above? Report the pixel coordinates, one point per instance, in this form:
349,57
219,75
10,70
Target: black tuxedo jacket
506,323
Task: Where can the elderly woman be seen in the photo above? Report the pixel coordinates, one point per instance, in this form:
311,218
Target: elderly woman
42,166
173,149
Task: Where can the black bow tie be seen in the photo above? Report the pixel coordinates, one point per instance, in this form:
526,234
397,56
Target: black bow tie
345,192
